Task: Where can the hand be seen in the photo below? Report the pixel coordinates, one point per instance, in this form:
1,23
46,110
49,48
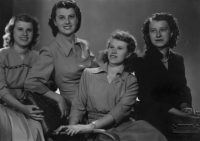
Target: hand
33,112
64,108
74,129
191,111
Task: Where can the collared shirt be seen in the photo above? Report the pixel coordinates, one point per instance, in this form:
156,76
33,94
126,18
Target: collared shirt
59,62
96,94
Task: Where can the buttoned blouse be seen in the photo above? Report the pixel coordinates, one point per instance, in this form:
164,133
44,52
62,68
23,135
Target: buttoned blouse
96,94
14,70
63,62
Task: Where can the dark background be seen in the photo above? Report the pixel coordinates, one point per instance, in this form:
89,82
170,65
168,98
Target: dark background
101,17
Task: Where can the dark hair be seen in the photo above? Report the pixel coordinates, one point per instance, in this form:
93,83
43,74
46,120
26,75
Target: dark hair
8,37
132,46
64,4
173,25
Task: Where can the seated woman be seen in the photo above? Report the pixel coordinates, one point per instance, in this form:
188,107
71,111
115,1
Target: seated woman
161,73
64,59
108,93
18,122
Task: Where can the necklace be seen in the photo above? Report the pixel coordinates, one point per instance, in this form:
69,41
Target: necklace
165,61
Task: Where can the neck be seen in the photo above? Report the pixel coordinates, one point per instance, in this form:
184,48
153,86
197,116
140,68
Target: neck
20,50
70,38
164,52
114,69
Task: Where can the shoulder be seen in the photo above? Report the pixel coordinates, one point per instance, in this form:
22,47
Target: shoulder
4,52
176,56
84,43
34,53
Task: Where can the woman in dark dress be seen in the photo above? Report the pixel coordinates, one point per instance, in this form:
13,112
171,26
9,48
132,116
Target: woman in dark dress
161,73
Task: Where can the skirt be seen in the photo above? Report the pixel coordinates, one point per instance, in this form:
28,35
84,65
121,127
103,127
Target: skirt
15,126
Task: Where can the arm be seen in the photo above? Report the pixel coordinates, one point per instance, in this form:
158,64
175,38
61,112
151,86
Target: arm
40,74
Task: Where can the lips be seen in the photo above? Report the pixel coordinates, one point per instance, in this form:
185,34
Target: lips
67,27
113,56
159,40
24,38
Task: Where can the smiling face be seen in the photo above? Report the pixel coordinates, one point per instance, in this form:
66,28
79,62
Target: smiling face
159,32
66,21
117,52
22,34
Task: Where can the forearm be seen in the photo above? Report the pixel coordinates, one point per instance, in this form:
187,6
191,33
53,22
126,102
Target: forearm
106,121
53,95
13,102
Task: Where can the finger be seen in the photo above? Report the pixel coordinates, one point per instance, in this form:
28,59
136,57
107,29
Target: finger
35,107
37,112
37,116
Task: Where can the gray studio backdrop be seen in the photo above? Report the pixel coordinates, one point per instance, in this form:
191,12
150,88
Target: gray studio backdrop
101,17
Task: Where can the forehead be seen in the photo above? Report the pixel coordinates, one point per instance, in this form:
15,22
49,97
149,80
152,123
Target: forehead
23,24
64,11
158,24
116,42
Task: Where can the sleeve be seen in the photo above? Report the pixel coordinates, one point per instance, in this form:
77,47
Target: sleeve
3,85
185,97
123,107
40,72
78,108
94,63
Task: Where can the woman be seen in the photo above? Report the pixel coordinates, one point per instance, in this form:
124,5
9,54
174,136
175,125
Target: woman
108,93
18,122
161,73
64,59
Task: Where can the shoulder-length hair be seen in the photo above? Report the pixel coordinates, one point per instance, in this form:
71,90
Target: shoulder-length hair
64,4
132,48
8,37
173,25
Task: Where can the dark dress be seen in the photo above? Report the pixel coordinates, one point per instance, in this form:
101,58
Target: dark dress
160,89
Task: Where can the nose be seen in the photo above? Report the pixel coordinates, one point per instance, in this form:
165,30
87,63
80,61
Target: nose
25,32
158,34
67,21
114,50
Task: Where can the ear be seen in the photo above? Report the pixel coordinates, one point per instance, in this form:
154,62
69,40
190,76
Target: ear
171,34
54,22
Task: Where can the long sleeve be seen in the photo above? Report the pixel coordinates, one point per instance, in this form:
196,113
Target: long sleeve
123,107
40,72
3,85
78,108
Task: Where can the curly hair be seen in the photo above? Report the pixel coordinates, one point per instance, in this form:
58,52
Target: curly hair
64,4
132,47
173,25
8,37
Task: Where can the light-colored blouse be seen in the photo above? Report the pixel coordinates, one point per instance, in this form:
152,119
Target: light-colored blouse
96,94
62,64
14,70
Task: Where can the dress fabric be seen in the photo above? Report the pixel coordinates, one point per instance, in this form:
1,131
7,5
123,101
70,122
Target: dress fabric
97,95
160,89
14,125
63,62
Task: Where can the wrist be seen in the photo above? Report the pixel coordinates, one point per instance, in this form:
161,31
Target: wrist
93,125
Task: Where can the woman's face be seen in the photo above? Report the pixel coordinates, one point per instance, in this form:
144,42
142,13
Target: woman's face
117,52
159,32
66,21
22,33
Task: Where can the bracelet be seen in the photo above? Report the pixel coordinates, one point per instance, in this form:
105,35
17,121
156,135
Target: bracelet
93,124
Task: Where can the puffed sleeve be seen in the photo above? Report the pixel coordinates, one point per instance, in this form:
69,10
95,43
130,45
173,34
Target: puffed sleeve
3,84
78,108
40,72
123,107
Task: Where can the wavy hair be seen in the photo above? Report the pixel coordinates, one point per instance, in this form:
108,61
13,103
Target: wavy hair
132,48
173,25
64,4
8,37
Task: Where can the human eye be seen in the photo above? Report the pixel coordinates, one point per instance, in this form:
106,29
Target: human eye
72,16
110,47
163,29
19,29
30,30
152,30
61,17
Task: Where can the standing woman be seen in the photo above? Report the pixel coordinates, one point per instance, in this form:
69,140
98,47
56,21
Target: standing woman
108,93
161,73
18,122
64,59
